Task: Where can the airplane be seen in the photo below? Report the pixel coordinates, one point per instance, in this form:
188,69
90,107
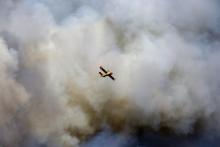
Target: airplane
106,73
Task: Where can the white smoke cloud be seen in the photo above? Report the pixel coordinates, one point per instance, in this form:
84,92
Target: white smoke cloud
164,56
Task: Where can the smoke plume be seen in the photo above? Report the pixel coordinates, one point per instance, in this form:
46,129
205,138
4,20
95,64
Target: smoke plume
163,54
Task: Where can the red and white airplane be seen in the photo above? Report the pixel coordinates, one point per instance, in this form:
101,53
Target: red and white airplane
105,73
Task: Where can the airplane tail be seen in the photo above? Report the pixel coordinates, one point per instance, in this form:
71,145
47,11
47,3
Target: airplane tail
101,74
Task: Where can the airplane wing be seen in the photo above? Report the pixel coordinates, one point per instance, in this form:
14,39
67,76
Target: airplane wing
103,69
110,76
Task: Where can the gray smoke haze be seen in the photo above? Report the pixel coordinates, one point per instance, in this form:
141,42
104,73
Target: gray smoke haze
164,54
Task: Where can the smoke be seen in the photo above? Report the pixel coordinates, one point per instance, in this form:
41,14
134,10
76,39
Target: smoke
164,56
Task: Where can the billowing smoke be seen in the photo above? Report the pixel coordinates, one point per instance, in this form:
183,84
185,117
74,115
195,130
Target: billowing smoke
163,54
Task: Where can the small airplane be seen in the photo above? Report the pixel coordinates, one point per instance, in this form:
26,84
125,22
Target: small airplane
106,73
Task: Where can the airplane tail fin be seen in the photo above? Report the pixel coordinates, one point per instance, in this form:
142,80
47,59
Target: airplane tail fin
100,74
